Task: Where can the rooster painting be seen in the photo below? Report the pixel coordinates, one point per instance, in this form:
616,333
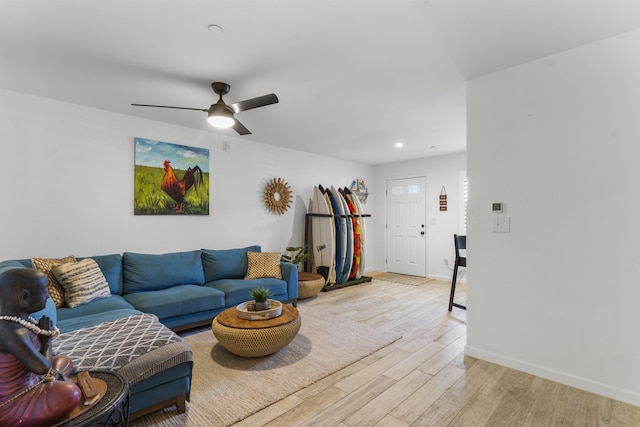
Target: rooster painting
170,179
177,189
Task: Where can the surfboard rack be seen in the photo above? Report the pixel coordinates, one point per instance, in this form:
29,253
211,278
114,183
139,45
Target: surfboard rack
307,237
334,286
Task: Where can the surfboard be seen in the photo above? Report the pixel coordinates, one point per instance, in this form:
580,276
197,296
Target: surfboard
332,269
355,221
348,255
322,235
341,236
363,232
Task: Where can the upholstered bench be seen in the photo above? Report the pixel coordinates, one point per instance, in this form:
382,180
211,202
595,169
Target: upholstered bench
153,359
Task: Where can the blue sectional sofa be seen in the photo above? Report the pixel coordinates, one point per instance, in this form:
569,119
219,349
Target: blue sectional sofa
183,289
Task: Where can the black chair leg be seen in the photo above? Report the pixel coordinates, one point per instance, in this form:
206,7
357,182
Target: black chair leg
453,285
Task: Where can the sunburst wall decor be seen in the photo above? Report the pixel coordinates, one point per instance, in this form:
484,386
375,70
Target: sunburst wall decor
277,196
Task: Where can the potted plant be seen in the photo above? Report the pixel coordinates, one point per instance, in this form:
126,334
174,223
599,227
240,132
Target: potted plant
296,255
261,296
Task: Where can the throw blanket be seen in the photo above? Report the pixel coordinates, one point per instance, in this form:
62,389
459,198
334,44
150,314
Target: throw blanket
137,347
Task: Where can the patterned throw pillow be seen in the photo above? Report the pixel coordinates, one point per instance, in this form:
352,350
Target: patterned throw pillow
263,264
45,264
82,281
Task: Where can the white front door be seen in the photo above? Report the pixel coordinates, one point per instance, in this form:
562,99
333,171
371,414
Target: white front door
406,226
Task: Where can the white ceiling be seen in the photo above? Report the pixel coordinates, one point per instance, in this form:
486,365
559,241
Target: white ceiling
353,76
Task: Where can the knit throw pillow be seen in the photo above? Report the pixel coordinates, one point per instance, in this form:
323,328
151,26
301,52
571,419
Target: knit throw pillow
82,281
263,264
56,292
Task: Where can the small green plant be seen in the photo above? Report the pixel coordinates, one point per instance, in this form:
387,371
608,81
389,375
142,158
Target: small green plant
260,294
297,254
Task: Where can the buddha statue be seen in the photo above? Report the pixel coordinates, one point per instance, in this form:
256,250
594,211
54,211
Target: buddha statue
33,389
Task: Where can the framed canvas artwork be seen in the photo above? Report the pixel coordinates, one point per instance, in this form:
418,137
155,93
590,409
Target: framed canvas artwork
170,179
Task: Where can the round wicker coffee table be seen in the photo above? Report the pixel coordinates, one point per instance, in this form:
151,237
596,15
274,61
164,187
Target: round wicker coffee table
255,338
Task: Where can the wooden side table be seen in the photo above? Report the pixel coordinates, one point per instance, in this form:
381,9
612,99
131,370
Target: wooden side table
254,338
112,410
309,284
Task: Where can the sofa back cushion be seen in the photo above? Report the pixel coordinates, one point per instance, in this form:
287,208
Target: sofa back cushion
226,263
147,272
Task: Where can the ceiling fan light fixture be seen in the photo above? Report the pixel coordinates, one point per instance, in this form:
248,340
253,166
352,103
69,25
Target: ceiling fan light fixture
220,116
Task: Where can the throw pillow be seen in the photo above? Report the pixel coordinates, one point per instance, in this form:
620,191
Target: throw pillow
56,292
263,264
82,281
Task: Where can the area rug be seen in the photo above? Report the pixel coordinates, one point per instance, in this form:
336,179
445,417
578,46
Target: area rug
227,388
402,278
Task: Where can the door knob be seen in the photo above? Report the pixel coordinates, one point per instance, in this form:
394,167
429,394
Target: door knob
422,232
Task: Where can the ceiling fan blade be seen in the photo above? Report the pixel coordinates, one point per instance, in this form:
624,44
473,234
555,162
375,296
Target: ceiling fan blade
249,104
168,106
239,127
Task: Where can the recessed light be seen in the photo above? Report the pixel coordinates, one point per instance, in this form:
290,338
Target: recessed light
215,28
433,146
398,145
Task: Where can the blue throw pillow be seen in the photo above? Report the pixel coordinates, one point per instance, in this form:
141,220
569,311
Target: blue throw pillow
226,263
146,272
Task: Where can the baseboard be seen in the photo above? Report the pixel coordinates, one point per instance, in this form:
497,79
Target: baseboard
585,384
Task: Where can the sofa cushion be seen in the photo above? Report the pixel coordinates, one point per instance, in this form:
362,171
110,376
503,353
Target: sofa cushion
177,300
226,263
111,267
236,291
82,281
146,272
115,302
263,264
55,289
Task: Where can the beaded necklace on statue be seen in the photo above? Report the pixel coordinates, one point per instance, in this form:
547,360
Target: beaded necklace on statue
32,325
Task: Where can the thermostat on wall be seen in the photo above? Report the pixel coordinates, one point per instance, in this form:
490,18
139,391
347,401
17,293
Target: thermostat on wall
496,207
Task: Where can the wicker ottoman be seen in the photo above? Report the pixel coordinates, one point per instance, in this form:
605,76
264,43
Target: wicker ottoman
309,284
255,338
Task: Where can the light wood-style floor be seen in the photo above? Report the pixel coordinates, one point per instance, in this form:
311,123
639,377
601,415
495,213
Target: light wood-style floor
424,379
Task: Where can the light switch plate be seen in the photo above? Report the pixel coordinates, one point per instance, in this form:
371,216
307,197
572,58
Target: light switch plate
502,224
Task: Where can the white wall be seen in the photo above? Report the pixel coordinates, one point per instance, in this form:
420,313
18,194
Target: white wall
558,141
67,185
441,226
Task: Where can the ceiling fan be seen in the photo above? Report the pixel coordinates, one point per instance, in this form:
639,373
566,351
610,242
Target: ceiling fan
220,114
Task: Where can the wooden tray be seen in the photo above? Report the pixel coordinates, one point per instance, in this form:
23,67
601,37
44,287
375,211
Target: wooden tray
274,310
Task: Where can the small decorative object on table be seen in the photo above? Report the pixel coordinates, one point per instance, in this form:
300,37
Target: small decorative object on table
112,408
260,297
